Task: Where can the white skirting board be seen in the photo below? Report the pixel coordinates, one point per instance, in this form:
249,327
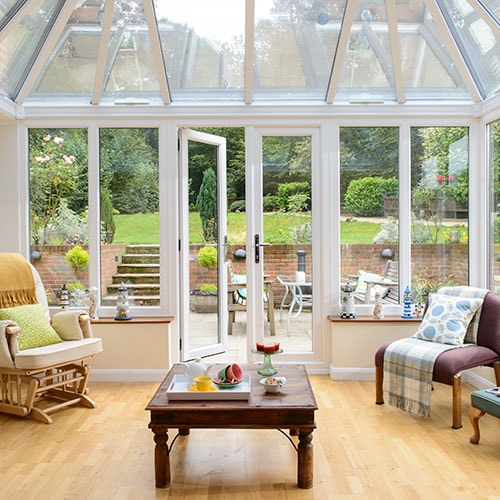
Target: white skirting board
369,374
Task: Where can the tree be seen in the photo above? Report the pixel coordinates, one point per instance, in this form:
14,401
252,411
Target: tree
207,205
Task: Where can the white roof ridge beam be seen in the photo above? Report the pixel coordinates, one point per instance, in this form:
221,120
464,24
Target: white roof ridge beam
340,52
392,22
453,49
158,59
47,50
102,57
249,49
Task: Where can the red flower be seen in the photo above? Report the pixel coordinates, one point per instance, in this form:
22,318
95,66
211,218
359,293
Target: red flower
451,178
441,178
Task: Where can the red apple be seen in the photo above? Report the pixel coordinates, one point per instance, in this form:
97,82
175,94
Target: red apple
259,346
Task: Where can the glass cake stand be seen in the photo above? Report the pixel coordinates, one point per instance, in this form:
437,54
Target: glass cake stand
267,369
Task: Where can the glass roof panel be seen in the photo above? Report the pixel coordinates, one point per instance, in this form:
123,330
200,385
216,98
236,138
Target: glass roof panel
72,70
20,42
199,45
132,72
368,71
294,48
477,42
428,69
204,48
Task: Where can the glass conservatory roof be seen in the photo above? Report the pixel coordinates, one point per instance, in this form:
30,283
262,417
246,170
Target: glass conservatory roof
248,51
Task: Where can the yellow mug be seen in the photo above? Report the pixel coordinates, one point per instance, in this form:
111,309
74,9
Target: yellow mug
203,383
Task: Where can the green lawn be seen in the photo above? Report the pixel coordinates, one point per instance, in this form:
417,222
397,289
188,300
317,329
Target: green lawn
144,228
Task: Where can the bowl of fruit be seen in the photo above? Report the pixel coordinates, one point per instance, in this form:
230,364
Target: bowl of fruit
268,348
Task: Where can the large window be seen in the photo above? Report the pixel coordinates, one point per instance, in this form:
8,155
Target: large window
61,244
58,189
129,202
440,198
369,232
494,136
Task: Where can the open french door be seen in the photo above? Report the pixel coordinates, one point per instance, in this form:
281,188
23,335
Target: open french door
202,167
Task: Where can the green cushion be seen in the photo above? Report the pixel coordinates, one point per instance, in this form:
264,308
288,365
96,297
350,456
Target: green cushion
486,401
35,329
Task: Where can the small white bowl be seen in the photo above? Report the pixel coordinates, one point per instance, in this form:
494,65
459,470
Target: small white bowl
281,381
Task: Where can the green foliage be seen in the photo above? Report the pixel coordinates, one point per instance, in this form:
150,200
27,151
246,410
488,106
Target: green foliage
237,206
53,177
365,197
207,205
208,288
207,257
303,233
289,189
270,203
108,227
129,168
77,258
389,232
67,227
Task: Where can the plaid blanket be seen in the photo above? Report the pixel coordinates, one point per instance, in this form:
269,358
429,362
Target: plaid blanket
408,367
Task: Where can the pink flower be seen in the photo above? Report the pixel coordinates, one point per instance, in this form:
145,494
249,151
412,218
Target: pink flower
47,138
451,178
441,178
58,140
68,159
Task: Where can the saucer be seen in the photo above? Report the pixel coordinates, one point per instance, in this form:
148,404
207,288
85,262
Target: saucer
224,385
194,389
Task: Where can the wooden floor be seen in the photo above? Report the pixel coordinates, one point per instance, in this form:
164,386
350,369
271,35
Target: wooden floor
361,450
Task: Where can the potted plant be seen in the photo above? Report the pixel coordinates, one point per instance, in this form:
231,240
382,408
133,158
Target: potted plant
204,299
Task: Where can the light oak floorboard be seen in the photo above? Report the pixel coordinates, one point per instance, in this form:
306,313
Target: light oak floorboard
361,450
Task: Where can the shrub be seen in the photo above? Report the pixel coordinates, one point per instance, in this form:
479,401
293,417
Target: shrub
208,288
365,197
207,257
207,205
77,258
389,232
288,189
270,203
237,206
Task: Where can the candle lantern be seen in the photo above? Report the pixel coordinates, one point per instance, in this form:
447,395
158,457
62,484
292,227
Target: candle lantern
407,304
122,306
63,296
347,302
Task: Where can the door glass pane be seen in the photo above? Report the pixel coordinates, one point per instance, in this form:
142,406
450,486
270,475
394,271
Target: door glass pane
287,215
369,200
440,201
130,235
494,133
58,191
203,238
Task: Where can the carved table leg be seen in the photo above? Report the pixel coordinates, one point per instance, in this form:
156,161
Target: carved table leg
162,458
474,416
305,459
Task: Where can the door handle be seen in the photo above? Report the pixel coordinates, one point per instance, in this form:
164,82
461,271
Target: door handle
258,244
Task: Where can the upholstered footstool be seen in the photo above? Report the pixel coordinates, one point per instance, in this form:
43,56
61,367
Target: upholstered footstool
483,401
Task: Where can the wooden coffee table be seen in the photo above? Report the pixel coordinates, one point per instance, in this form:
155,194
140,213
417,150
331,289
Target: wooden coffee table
291,409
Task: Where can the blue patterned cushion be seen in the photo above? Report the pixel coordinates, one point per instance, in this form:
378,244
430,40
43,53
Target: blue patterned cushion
447,318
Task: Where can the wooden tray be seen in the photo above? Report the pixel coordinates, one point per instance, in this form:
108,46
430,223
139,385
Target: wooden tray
178,389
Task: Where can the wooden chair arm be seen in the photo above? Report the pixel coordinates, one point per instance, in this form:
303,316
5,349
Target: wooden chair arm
12,329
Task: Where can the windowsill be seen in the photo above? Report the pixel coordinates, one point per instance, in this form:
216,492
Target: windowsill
369,319
134,320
